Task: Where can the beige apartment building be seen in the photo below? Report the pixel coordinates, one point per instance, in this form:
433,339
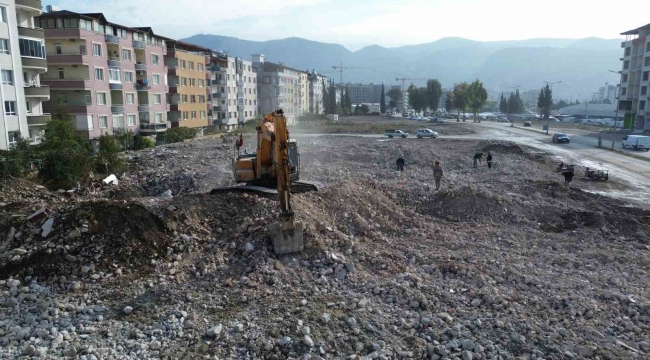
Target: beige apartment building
279,87
234,91
634,97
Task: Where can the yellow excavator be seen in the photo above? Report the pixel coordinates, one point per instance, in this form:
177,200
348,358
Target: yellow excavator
273,168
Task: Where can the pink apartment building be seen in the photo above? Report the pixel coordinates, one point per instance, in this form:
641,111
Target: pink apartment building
109,77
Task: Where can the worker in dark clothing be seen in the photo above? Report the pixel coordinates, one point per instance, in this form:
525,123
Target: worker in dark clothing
477,159
400,164
489,160
568,176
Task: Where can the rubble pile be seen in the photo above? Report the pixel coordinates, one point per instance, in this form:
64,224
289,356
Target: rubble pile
500,264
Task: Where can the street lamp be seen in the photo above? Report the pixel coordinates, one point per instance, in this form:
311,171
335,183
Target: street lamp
617,100
512,119
548,122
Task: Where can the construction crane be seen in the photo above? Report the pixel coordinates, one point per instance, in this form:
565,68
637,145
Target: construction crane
408,79
340,69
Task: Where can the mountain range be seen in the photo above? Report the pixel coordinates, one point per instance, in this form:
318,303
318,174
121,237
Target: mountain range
580,64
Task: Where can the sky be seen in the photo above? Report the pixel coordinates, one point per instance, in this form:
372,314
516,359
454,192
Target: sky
359,23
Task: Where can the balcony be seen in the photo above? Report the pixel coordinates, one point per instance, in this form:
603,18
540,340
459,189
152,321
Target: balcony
219,68
31,32
139,44
38,119
114,62
29,62
37,91
240,107
143,108
219,95
173,89
223,108
112,39
30,5
153,128
68,58
68,83
219,82
172,71
141,86
173,107
115,86
240,83
141,67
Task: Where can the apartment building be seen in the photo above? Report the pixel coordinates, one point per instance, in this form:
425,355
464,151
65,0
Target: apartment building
634,97
605,93
303,93
189,85
279,87
364,93
22,63
108,77
317,85
234,90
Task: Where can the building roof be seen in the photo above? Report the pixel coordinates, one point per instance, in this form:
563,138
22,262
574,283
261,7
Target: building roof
636,31
601,110
280,65
93,16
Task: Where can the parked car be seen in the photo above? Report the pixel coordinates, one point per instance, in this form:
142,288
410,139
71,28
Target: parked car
527,124
636,142
503,119
405,114
422,133
413,117
438,120
561,138
396,133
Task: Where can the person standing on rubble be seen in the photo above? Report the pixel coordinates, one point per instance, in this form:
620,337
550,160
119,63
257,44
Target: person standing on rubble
477,159
489,160
437,174
400,164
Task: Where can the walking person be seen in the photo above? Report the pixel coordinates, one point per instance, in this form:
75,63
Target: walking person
568,176
400,164
437,174
477,159
489,160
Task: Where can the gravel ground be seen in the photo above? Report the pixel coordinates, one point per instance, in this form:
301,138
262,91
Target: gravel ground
505,263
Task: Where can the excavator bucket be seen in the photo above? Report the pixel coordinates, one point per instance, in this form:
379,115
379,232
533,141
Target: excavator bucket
288,240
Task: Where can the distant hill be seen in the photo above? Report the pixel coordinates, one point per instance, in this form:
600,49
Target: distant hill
581,64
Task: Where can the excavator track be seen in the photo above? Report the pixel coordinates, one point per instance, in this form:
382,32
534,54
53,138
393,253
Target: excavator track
297,187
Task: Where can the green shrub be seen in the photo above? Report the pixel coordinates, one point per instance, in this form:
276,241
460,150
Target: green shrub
125,138
16,161
143,142
108,157
175,135
67,157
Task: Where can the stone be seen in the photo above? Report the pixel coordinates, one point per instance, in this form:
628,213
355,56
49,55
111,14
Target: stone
128,309
445,317
39,214
85,269
18,252
47,227
320,226
306,330
308,341
74,233
349,266
468,344
467,355
70,257
340,272
284,341
11,234
239,327
155,345
352,321
325,318
29,350
249,247
215,330
476,302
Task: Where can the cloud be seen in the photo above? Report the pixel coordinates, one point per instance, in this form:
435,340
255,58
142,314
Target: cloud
178,18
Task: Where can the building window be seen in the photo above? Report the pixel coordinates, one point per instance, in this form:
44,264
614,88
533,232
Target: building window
97,50
103,121
114,75
10,108
183,81
118,121
201,98
130,120
130,98
641,105
126,55
158,117
644,90
191,65
128,76
13,136
88,99
4,46
182,64
61,73
646,62
58,49
202,112
200,67
192,99
647,47
99,74
28,106
156,79
154,59
201,83
101,98
646,75
32,48
623,91
193,114
628,50
7,77
157,98
624,78
192,82
63,98
184,98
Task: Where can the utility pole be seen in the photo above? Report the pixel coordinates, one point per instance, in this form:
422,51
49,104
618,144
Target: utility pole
618,89
548,121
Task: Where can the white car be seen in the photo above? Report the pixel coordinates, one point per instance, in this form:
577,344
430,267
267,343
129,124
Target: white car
422,133
396,133
636,142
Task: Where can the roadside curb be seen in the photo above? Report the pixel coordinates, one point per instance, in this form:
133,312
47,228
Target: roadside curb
643,158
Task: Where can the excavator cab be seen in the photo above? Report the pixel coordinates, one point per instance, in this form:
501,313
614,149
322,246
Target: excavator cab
294,161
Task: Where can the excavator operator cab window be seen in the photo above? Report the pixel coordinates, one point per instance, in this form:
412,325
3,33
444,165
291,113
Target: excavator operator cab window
294,160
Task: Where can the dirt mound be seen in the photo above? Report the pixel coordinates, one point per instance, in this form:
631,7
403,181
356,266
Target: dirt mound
103,235
464,204
498,146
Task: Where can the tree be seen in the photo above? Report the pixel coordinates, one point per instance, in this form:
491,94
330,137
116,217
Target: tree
382,100
108,156
449,101
347,104
357,111
545,101
503,104
396,95
434,92
325,99
560,104
476,97
331,103
364,109
460,97
489,106
417,98
515,104
392,103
